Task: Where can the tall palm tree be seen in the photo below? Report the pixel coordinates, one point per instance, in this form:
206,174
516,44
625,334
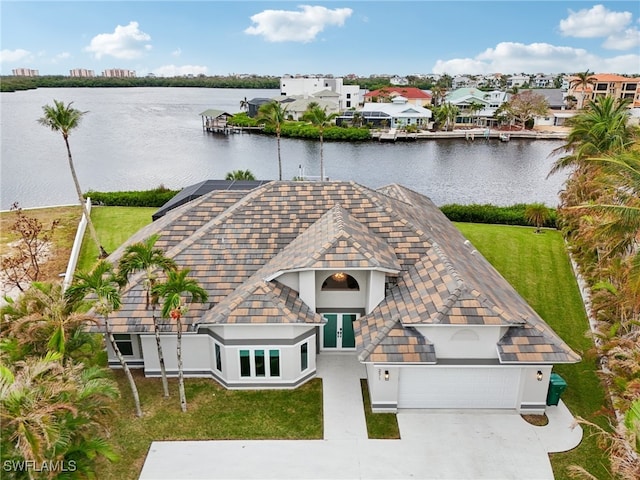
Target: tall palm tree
446,115
146,257
318,117
583,80
273,115
240,175
244,104
101,288
175,291
64,118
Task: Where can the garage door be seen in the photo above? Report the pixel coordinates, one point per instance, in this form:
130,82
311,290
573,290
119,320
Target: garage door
459,387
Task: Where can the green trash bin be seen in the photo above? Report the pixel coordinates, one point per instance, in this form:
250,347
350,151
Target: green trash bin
557,385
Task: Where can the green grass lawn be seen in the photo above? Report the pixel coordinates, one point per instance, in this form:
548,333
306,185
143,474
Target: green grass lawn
379,425
538,267
114,226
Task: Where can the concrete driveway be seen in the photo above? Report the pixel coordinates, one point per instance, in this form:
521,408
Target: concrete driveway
434,444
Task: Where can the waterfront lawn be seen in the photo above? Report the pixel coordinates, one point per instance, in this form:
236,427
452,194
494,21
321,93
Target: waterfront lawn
114,226
538,267
214,413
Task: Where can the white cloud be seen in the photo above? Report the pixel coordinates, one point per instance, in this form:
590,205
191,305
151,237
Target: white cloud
595,22
14,55
126,43
292,26
177,71
509,57
626,40
61,56
177,52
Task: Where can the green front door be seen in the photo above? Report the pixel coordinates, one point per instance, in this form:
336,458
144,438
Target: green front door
338,331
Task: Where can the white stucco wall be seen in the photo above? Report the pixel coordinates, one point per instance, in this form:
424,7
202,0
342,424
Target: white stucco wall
383,393
291,280
463,341
307,290
195,354
375,290
534,391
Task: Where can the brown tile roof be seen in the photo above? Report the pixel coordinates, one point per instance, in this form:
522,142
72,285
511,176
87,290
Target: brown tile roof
236,242
407,92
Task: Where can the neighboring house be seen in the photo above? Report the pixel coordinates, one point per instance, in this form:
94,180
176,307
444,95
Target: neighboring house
297,105
543,81
413,95
557,114
349,95
397,114
517,81
255,104
399,81
297,270
462,81
606,84
465,98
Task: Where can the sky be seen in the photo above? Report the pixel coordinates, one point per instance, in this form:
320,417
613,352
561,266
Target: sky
169,38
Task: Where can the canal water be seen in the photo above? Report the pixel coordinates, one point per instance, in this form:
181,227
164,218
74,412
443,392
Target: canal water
140,138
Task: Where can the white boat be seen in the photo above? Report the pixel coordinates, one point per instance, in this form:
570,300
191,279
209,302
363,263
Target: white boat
504,137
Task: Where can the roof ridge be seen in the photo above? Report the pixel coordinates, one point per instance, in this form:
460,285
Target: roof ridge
381,334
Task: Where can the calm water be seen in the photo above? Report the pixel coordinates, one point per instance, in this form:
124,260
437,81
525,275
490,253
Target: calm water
139,138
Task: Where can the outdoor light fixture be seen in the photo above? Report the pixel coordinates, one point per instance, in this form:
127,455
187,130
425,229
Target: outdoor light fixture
386,375
339,276
539,375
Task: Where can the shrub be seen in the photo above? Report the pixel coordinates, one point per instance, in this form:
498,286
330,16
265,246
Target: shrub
242,120
145,198
512,215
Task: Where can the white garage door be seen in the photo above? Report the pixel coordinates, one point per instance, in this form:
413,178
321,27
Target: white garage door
431,387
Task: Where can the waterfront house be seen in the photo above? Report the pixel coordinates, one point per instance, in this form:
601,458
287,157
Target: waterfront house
606,84
413,95
348,95
297,105
297,270
397,114
466,98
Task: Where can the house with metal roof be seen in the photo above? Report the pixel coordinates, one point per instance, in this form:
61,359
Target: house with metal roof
397,114
297,270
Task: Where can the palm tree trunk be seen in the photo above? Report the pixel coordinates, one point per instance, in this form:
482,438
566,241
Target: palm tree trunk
279,158
163,369
321,159
183,396
92,230
125,367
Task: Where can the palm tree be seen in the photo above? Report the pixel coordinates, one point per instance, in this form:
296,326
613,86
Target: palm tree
174,290
583,80
244,104
318,117
64,118
240,175
273,115
537,214
446,115
474,108
103,290
146,257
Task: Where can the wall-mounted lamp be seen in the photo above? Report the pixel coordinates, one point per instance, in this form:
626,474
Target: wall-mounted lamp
386,375
539,375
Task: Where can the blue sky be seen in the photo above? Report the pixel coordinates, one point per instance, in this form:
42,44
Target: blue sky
170,38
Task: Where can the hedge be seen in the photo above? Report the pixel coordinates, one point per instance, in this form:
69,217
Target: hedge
144,198
475,213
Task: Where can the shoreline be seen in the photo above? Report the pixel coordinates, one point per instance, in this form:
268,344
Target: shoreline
476,134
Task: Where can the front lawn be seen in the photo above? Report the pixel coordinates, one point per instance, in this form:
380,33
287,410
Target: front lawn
538,267
214,413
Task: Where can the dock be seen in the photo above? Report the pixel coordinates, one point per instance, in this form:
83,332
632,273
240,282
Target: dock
217,121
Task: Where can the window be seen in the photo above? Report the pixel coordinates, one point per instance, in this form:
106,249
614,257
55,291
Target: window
218,358
253,363
124,343
601,86
340,281
349,104
304,356
348,95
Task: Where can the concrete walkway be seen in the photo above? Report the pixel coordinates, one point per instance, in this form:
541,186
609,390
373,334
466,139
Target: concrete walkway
435,444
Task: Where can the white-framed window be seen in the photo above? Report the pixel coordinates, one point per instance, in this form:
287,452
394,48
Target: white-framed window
125,344
218,352
304,356
259,363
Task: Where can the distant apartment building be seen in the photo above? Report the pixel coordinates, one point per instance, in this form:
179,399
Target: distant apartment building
119,73
82,72
349,95
25,72
607,84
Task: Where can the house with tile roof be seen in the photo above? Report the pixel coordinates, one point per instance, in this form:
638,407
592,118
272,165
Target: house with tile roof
606,84
399,113
297,270
413,95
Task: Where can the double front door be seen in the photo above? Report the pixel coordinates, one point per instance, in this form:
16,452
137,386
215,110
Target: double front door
338,331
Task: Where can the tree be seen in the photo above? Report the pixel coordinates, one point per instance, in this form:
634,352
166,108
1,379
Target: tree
146,257
474,108
29,249
583,80
55,411
527,105
173,291
446,115
537,214
240,175
65,118
273,115
102,289
244,104
318,117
